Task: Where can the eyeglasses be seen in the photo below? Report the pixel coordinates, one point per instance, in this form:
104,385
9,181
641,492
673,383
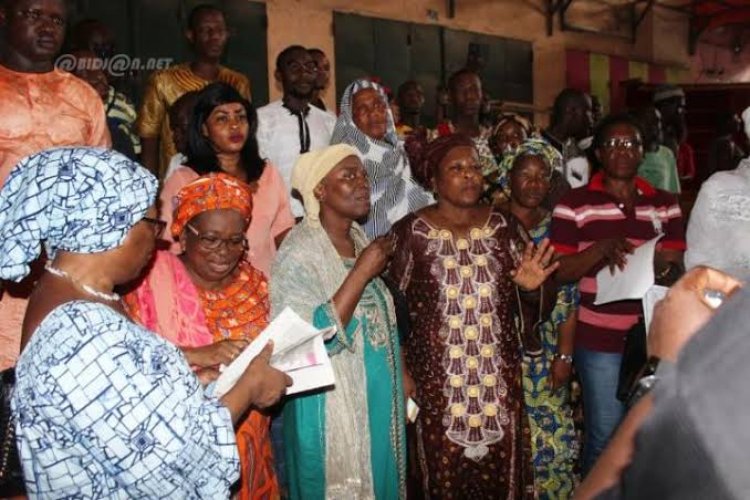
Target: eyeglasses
234,244
296,67
158,225
616,142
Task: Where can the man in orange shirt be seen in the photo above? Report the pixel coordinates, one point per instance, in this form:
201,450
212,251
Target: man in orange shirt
208,35
41,107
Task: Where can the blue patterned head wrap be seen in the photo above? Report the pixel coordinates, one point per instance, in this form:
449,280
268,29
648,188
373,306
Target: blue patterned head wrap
530,147
80,200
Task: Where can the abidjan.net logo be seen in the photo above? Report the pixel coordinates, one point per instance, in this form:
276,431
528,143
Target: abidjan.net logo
117,65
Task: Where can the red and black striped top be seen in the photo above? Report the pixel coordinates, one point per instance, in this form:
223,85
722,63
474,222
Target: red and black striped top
589,214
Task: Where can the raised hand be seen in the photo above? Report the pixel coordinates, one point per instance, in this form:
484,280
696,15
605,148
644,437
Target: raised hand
375,257
535,266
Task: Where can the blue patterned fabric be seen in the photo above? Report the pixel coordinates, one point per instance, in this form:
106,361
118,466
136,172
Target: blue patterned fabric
75,199
554,441
532,146
106,409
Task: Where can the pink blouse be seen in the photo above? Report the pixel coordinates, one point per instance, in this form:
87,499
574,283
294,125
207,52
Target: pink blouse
271,213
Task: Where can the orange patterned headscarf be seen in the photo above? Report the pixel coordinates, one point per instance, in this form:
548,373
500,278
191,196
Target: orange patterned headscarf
210,192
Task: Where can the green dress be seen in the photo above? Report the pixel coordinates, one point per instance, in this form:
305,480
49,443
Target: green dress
554,443
305,416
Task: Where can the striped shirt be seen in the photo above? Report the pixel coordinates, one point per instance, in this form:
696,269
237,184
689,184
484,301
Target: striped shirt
589,214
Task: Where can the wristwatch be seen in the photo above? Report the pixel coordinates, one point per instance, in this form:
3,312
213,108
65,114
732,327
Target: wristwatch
647,380
565,358
642,387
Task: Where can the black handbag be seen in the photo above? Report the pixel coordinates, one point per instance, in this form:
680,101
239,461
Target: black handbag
11,475
634,358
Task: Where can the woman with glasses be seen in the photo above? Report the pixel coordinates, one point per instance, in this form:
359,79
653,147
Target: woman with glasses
221,138
103,407
211,302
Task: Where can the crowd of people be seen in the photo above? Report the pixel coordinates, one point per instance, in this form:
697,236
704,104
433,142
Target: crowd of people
457,265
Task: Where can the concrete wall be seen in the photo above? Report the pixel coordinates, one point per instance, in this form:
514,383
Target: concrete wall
661,38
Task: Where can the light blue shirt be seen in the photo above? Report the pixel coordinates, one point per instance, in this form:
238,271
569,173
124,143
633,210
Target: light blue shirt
107,409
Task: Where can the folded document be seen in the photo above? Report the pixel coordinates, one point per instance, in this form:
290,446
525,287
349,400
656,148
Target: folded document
298,350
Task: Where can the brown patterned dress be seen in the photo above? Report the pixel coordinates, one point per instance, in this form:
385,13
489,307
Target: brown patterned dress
465,356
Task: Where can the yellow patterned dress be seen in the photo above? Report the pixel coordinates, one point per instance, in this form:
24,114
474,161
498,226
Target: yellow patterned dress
554,443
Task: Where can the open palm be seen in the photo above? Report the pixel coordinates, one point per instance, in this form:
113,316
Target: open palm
535,266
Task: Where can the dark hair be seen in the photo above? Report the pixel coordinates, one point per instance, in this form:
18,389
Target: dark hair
564,100
316,51
284,54
186,100
610,121
201,155
458,74
203,8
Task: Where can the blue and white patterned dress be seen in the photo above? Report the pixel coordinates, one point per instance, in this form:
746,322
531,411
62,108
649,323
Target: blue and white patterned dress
106,409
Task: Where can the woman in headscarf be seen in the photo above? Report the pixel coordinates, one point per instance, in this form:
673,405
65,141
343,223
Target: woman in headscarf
105,408
506,136
346,442
221,138
548,332
211,302
463,267
509,132
366,123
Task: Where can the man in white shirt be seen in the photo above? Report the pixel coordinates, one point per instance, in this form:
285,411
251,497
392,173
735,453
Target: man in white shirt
571,124
291,126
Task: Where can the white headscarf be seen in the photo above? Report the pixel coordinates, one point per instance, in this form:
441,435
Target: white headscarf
393,192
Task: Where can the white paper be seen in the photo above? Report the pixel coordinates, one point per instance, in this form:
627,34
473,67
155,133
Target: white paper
412,410
298,350
577,171
633,281
652,296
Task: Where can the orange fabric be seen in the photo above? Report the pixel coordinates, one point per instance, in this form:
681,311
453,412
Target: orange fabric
240,311
165,299
210,192
45,110
40,111
272,214
163,89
